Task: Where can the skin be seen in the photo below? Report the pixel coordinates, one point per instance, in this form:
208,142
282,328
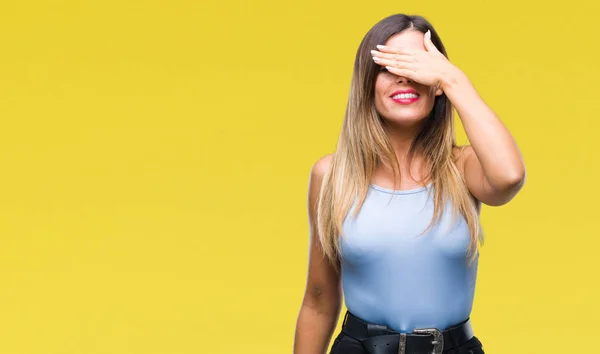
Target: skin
403,121
492,165
322,300
403,118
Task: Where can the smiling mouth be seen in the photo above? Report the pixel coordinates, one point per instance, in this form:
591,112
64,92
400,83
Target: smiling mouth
405,98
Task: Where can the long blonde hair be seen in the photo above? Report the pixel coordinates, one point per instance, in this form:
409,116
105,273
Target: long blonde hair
363,143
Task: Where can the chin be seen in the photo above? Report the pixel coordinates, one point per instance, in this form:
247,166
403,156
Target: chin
405,119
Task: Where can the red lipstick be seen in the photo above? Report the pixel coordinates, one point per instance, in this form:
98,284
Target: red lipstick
409,96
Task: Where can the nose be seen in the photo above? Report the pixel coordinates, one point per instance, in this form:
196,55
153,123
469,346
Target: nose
403,80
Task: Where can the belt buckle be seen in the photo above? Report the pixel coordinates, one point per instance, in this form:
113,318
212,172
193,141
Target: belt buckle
438,338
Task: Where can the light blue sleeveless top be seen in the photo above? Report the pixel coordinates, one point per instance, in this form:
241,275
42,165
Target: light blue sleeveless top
392,275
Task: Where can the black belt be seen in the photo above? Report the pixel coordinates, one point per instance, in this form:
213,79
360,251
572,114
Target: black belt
379,339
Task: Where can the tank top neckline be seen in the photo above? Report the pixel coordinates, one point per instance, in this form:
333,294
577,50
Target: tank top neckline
400,191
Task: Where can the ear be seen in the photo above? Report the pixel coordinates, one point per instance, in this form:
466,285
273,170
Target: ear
438,89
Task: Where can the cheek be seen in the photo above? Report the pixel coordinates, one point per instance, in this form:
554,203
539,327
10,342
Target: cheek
379,85
432,97
380,90
382,86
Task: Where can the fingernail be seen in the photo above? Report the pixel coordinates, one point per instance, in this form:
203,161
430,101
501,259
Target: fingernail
375,58
428,34
379,46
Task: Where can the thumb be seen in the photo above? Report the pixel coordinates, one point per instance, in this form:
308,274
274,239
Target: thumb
428,43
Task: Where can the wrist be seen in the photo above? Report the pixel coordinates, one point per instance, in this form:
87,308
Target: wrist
452,78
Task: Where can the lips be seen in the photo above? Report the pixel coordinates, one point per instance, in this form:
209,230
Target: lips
410,96
405,91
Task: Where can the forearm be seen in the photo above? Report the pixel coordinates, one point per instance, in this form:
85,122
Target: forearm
314,330
491,141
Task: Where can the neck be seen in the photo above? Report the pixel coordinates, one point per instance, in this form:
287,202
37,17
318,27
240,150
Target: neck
401,138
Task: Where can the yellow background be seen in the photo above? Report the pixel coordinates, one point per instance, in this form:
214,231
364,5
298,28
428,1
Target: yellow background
155,159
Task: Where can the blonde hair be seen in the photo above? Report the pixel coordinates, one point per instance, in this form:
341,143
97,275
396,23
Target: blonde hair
363,143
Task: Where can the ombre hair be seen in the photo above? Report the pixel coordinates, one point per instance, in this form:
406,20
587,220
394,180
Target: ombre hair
363,143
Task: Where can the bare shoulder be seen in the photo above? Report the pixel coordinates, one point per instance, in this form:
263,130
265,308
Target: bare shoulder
321,166
317,173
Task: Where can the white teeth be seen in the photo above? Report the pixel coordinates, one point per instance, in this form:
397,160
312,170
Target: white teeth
403,96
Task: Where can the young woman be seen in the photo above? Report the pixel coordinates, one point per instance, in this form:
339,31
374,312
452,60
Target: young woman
394,212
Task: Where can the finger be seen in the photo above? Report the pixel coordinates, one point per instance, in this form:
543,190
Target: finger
397,57
384,48
429,46
401,72
400,63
